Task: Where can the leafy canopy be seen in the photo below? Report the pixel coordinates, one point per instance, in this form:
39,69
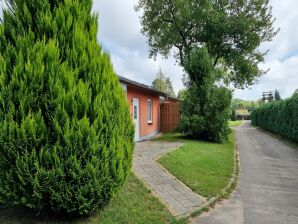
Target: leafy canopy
206,107
244,104
230,30
182,93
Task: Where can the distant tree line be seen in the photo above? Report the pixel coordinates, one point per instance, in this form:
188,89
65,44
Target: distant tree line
163,83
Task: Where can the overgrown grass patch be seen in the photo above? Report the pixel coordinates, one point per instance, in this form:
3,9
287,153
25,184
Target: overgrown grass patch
235,123
205,167
133,204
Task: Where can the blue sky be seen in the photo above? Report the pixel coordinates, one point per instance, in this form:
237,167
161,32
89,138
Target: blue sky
119,33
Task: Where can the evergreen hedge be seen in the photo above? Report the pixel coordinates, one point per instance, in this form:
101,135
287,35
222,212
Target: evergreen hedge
279,117
66,136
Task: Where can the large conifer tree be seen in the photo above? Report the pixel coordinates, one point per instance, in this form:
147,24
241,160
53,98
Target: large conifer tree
66,137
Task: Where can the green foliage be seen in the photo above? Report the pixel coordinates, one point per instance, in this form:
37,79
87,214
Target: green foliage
228,33
233,116
127,207
230,30
279,117
66,137
163,84
206,108
211,123
244,104
182,94
277,95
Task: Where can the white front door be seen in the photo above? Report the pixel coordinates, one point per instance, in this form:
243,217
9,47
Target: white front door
136,118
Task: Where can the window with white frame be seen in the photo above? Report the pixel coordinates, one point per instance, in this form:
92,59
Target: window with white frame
149,111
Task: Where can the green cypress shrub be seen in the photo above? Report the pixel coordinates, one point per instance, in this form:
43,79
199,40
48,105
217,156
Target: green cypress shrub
66,136
279,117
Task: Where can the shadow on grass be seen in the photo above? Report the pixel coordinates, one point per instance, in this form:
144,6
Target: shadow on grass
132,204
178,137
27,216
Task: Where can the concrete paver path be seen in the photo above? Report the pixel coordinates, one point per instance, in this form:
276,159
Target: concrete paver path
268,188
179,199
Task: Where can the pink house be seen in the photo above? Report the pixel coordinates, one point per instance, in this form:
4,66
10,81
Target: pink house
145,107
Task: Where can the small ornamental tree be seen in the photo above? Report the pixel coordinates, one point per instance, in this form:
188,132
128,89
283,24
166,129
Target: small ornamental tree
66,137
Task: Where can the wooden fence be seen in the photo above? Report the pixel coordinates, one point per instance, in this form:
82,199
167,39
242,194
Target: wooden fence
169,116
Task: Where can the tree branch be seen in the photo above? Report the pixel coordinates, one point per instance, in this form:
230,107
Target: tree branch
186,46
216,60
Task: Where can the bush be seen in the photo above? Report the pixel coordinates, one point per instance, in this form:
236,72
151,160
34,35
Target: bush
206,107
212,122
233,115
66,136
280,117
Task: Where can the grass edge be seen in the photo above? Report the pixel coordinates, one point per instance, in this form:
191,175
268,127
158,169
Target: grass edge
228,190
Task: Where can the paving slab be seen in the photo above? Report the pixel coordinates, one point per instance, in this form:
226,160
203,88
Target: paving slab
179,199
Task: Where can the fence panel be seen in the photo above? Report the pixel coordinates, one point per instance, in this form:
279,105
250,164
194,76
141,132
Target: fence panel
169,116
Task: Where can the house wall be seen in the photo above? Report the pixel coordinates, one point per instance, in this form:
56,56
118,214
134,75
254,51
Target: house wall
147,130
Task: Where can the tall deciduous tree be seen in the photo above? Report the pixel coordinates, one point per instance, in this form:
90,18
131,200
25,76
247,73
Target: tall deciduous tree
163,84
66,136
217,43
231,31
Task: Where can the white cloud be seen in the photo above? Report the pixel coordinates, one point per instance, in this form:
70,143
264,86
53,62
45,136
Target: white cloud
119,32
282,76
119,24
138,67
286,41
1,11
282,59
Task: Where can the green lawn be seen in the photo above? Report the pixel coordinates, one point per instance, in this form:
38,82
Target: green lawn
133,204
203,166
235,123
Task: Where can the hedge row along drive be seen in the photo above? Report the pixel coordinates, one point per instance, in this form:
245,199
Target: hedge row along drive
279,117
66,137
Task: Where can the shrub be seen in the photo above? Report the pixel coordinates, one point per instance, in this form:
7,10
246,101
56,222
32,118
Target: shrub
280,117
66,136
212,122
206,107
233,115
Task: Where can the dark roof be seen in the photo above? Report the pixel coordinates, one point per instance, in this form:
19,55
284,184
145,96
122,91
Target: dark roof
147,88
